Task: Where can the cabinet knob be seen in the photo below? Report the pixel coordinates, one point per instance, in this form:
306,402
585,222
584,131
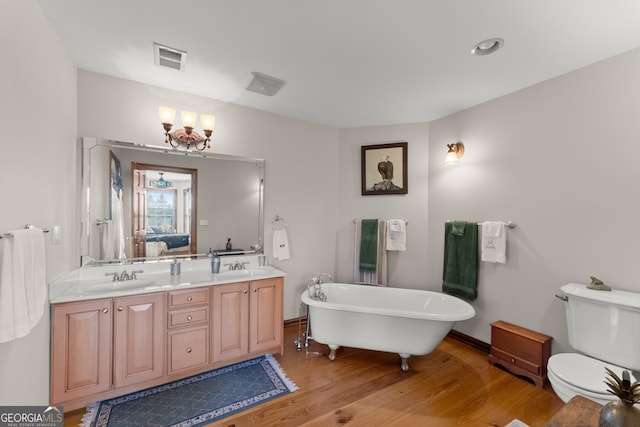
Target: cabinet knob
245,291
189,318
189,299
105,310
188,349
513,360
255,290
120,308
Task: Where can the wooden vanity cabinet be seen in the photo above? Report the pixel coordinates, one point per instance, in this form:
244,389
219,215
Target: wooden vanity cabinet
100,344
80,349
187,329
266,315
247,318
138,338
106,347
230,321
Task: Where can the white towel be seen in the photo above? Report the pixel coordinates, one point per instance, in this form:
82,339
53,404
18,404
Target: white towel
396,235
281,244
23,285
106,231
117,214
494,242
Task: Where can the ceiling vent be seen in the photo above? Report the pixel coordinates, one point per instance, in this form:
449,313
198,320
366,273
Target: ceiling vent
169,57
265,85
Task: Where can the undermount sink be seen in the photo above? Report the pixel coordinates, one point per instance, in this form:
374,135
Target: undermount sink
110,285
245,272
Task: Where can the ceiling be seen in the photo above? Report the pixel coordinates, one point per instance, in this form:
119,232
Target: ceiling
347,63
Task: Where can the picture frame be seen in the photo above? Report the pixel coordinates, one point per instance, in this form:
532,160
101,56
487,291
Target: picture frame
384,169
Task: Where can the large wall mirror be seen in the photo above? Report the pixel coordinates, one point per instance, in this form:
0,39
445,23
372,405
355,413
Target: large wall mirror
144,202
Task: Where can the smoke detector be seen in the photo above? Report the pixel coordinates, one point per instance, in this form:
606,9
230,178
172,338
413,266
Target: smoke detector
166,56
265,85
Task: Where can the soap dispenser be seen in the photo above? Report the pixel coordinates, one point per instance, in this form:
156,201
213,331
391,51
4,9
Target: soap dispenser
215,263
175,268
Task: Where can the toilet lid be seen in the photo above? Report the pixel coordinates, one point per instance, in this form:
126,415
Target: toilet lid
583,372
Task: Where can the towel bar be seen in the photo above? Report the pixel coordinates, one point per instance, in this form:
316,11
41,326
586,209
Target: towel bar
9,234
406,221
508,224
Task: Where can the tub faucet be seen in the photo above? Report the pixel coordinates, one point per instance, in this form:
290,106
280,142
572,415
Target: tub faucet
314,288
317,289
124,276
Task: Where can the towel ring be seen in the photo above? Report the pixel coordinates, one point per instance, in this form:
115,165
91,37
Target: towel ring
278,223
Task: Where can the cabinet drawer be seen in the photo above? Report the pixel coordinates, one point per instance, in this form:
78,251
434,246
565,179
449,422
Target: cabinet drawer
187,317
188,349
515,361
187,297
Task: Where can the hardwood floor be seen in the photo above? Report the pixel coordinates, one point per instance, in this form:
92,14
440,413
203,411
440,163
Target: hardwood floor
452,386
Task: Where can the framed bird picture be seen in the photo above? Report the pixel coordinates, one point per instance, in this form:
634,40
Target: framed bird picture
384,169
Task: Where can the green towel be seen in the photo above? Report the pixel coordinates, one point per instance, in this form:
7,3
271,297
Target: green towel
369,245
460,273
457,227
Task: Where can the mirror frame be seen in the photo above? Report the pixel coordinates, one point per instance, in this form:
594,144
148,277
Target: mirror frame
88,143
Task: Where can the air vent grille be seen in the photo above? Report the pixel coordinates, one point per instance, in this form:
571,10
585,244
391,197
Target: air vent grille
264,84
166,56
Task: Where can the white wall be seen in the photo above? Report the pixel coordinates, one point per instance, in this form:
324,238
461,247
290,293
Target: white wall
301,174
37,171
406,269
560,159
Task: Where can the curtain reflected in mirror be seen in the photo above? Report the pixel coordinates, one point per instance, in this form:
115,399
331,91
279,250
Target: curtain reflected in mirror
111,230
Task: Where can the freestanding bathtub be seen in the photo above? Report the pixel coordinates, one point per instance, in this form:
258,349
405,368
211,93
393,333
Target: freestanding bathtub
404,321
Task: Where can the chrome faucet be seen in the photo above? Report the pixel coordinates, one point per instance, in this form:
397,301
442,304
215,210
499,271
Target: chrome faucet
124,275
314,287
237,265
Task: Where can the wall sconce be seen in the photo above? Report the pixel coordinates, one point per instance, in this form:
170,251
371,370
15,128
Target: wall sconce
455,152
186,136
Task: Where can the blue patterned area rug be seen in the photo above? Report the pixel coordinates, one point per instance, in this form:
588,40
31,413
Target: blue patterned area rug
197,400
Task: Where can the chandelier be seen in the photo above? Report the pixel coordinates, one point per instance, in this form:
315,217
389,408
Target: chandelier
187,136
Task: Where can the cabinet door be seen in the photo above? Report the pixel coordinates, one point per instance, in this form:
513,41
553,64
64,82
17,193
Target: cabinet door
80,349
138,338
230,321
265,315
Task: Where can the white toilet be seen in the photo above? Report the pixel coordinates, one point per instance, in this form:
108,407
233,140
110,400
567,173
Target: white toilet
604,327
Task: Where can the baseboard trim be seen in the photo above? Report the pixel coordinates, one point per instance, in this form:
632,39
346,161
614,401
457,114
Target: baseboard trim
295,320
470,341
456,335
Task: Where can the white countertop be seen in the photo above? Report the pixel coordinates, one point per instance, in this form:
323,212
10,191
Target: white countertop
93,282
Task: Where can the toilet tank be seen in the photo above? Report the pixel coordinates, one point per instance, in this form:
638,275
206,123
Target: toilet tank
604,324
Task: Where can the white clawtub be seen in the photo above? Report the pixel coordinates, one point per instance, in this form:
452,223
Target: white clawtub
404,321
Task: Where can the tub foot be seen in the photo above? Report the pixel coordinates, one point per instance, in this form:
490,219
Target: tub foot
332,354
404,359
